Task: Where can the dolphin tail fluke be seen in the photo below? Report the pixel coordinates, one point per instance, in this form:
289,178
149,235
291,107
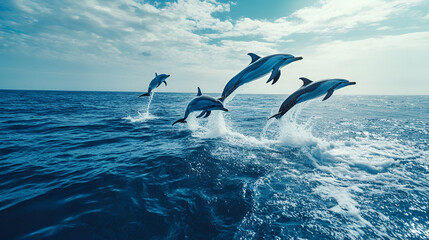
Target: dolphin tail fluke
277,116
182,120
221,99
146,94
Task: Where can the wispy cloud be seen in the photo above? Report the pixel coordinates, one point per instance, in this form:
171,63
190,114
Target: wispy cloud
327,16
119,28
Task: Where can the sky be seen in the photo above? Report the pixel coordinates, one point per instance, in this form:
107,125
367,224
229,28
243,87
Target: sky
118,45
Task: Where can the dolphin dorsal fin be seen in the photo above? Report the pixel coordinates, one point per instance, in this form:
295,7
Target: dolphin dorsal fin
305,81
156,74
199,91
254,57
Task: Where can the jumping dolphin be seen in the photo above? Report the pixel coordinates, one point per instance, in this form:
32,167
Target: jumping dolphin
158,80
310,90
203,103
257,68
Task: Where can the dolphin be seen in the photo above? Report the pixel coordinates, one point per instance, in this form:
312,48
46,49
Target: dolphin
202,103
310,90
158,80
257,68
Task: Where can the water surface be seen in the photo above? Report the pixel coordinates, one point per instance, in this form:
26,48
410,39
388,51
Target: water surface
96,165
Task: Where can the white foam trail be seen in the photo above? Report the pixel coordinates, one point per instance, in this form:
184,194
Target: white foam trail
370,155
343,165
145,116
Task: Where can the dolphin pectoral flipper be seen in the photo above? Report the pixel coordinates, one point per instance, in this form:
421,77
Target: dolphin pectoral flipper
165,82
273,74
276,78
329,94
254,57
202,113
207,114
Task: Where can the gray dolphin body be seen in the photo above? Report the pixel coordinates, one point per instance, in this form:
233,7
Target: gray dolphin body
311,90
202,103
257,68
158,80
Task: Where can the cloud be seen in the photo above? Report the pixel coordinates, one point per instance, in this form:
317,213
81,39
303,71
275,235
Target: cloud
183,37
118,30
128,36
113,28
383,28
146,54
327,16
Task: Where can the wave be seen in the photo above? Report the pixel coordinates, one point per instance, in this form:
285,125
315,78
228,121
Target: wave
338,166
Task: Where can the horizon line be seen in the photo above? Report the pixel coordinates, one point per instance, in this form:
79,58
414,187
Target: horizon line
126,91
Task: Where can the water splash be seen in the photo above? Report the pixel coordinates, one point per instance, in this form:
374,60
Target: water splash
143,116
290,130
149,101
293,133
216,126
213,127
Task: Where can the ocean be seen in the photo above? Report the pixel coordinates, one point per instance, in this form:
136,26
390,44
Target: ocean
98,165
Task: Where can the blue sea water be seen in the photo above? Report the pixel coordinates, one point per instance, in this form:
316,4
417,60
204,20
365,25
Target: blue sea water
97,165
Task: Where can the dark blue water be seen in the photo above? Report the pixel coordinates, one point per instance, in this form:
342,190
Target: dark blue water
88,165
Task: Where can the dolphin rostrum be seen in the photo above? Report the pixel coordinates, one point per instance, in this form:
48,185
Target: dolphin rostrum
257,68
310,90
158,80
202,103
